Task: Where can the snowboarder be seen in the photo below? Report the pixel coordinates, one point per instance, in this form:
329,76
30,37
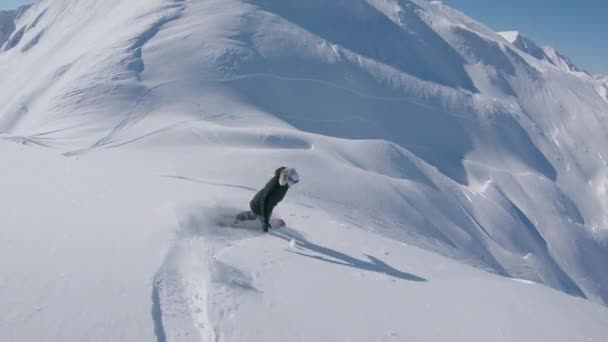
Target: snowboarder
266,199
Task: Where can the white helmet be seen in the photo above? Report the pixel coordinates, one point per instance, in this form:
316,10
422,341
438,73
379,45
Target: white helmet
292,177
288,176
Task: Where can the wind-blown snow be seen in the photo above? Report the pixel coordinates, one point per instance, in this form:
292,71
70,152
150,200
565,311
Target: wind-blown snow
427,144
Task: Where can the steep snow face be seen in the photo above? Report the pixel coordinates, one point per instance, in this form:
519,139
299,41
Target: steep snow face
407,119
559,60
602,87
523,43
545,53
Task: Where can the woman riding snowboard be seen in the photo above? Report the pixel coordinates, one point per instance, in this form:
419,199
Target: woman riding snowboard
266,199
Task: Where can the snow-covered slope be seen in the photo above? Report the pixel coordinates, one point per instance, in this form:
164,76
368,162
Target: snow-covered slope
546,53
120,246
602,87
560,60
524,44
426,143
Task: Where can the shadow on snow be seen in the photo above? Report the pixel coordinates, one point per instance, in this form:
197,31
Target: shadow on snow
335,257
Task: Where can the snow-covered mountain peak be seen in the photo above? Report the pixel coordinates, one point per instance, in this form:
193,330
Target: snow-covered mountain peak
545,53
524,43
513,36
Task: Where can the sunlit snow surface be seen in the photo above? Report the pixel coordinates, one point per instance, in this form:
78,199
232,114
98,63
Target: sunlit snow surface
426,142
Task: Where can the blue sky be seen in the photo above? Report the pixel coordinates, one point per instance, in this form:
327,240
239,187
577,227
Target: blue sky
576,28
13,4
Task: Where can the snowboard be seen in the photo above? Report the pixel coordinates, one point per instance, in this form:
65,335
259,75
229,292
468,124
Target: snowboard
230,221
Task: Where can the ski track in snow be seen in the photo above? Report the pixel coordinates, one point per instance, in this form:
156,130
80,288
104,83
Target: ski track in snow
193,291
129,121
157,314
184,178
131,118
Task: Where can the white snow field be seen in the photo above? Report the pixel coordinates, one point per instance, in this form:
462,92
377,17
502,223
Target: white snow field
454,182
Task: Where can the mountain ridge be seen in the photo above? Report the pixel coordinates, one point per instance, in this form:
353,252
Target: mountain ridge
546,53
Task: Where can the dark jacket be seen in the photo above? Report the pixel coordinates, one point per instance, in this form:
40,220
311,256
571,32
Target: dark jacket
266,199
